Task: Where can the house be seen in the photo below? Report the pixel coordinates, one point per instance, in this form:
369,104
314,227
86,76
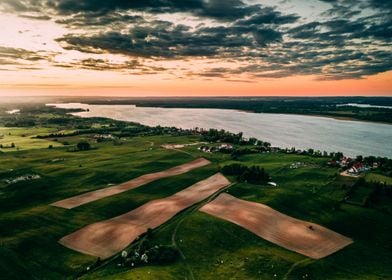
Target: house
357,168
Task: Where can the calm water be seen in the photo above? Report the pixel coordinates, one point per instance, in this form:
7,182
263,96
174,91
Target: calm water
350,137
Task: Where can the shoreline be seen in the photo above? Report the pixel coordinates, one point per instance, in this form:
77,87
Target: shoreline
341,118
84,114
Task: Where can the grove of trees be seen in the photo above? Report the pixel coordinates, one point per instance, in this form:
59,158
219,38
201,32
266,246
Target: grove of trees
253,174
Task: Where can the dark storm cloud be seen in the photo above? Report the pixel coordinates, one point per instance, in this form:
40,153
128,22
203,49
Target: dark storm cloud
221,10
289,60
341,31
167,40
381,4
75,6
268,15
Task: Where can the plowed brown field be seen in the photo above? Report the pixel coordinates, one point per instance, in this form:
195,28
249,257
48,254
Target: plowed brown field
84,198
106,238
306,238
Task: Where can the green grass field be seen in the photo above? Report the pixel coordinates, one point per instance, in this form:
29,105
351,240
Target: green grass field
213,248
23,139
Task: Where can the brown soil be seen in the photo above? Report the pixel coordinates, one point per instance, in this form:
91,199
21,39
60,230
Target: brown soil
84,198
106,238
303,237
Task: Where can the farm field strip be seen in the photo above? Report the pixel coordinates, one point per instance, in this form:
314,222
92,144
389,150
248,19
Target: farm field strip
106,238
84,198
303,237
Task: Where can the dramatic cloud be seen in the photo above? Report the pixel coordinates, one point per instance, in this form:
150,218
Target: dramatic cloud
348,39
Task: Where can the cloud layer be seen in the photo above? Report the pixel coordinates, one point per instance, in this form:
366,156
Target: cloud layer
347,40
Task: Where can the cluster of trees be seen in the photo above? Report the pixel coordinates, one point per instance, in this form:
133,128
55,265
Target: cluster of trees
18,122
242,151
384,164
221,135
250,174
146,130
215,135
380,189
83,146
84,131
159,254
147,254
311,152
119,131
379,192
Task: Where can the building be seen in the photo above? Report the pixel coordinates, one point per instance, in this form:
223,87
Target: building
345,161
357,168
227,147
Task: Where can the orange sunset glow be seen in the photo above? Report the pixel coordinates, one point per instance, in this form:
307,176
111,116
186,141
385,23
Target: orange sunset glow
203,48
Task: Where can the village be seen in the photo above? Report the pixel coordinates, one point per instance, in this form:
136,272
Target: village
353,167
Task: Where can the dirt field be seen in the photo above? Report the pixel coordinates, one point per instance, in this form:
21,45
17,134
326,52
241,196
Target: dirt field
106,238
306,238
84,198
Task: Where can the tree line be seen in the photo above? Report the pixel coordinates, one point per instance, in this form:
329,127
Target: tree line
248,174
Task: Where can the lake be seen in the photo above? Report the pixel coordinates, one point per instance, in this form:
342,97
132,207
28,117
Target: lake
282,130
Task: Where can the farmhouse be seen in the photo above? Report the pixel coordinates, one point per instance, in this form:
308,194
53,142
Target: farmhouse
357,168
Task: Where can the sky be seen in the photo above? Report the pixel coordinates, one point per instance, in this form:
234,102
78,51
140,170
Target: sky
195,47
